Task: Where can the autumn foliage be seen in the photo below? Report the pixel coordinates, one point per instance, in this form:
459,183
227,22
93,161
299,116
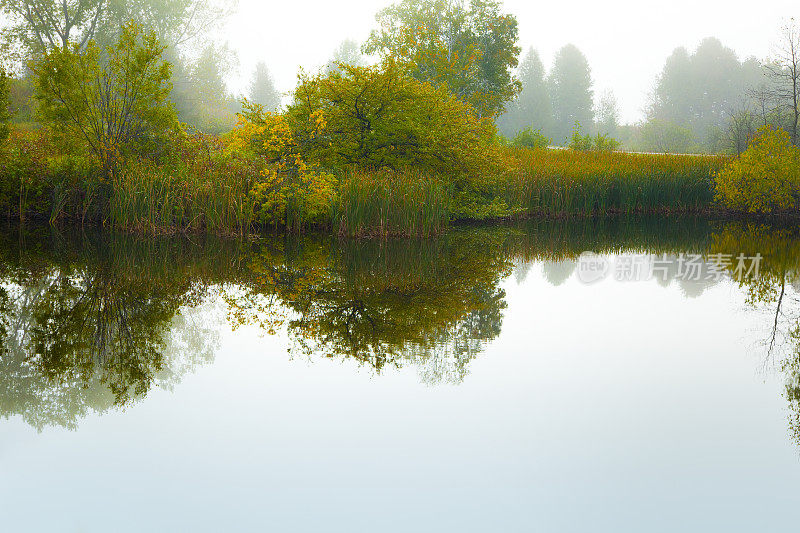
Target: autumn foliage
765,178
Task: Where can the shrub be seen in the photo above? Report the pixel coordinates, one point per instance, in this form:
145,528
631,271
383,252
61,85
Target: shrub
587,143
380,117
115,101
765,178
294,200
530,138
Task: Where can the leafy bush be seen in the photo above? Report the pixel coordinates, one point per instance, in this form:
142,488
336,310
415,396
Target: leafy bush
597,143
530,138
5,112
765,178
667,138
380,117
115,100
294,200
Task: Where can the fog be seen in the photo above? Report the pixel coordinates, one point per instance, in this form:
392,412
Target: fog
625,41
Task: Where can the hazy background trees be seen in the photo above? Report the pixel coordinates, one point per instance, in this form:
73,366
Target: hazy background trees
262,88
699,90
554,103
347,53
570,84
532,108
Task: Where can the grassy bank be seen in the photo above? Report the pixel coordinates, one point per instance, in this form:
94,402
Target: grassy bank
204,186
567,182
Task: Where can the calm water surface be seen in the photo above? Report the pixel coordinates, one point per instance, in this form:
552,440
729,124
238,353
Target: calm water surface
473,382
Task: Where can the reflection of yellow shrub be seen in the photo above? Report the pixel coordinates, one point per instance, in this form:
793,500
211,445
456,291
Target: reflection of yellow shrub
766,178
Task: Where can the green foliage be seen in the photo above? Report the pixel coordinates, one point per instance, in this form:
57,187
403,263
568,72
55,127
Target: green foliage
468,47
379,117
765,178
116,103
294,199
5,111
529,138
587,143
666,138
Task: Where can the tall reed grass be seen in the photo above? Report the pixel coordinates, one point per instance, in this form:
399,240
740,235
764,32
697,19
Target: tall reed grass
202,190
383,203
556,182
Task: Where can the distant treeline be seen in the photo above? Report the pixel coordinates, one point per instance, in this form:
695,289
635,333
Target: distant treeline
706,101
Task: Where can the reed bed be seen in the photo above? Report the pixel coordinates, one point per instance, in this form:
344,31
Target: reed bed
383,203
568,182
167,199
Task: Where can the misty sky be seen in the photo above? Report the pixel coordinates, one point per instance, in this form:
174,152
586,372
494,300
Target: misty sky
626,41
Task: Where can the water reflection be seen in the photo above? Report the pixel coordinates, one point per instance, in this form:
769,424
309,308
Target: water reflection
92,322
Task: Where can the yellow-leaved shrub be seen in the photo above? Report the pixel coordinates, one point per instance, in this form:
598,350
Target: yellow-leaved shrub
765,178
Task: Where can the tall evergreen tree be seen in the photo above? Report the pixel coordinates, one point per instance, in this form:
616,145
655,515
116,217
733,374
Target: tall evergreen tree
571,91
262,89
532,108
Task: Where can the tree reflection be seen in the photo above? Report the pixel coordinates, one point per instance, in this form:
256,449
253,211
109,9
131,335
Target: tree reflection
86,325
432,302
772,291
92,323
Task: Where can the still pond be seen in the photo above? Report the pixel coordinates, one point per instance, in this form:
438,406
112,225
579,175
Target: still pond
491,379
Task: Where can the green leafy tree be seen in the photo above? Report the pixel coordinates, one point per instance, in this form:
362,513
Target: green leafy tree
262,89
5,111
382,117
42,25
571,91
532,109
471,48
112,101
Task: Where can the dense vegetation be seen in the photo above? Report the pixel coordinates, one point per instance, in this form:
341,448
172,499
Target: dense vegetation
402,147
